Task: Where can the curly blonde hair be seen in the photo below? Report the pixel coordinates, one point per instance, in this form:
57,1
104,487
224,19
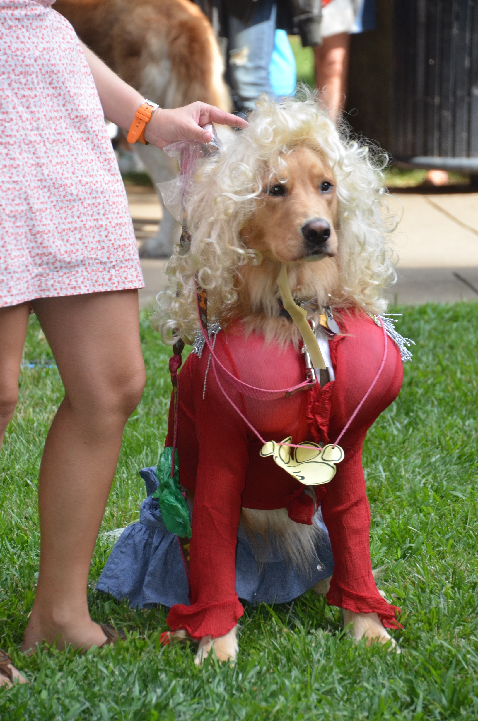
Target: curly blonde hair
223,197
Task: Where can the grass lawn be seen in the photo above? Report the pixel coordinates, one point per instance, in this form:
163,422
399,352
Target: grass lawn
295,662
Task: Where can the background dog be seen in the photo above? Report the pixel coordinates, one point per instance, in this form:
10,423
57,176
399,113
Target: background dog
167,50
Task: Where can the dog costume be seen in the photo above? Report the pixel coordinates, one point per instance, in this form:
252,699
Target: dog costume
220,416
219,459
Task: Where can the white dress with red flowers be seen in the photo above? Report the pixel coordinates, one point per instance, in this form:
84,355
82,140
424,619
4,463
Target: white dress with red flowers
65,228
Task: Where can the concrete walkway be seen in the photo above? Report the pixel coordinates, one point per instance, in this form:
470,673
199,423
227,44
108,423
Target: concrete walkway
436,242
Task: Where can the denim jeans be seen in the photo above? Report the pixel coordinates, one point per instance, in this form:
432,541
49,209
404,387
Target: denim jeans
249,52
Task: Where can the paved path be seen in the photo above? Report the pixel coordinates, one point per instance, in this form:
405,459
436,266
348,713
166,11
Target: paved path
436,242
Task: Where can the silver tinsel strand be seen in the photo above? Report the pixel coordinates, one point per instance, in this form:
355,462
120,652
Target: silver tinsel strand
403,343
199,342
389,320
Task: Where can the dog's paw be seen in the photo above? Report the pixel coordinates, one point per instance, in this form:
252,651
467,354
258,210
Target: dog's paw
225,648
367,626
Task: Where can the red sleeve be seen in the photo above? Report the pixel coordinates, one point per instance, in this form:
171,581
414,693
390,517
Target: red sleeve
346,513
220,481
345,506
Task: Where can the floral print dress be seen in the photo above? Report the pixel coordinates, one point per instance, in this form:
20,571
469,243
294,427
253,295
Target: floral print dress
65,228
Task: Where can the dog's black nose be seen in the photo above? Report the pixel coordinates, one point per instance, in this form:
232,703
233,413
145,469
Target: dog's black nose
316,231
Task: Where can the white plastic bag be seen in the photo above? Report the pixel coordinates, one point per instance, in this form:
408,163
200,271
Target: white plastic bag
188,153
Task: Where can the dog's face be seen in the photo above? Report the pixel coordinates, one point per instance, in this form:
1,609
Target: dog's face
295,220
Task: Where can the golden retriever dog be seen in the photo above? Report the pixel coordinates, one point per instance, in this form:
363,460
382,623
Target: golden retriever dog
167,50
290,192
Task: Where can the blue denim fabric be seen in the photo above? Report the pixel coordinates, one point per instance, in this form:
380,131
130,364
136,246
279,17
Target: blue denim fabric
366,17
252,44
146,566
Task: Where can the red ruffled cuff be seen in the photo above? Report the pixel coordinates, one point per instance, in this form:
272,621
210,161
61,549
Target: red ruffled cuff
352,601
199,620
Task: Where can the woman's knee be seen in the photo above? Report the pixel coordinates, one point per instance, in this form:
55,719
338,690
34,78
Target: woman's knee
110,396
130,390
123,391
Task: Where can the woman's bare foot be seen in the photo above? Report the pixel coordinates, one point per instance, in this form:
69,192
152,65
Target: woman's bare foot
8,673
80,632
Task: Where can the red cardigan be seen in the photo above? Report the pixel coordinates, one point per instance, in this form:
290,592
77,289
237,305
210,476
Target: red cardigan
219,460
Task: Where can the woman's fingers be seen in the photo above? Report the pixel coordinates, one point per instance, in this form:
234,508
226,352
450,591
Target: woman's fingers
211,114
169,126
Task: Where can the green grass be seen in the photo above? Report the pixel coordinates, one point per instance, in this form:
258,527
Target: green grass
304,61
295,662
396,177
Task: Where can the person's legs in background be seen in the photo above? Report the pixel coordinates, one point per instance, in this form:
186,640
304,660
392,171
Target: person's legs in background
340,19
331,67
250,47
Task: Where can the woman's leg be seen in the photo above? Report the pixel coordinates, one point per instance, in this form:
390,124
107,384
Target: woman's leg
95,341
13,328
331,66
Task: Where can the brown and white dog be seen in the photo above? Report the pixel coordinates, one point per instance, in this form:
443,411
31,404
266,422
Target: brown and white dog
289,190
167,50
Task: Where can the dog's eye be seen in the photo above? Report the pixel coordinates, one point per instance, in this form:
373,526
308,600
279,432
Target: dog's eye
277,190
326,186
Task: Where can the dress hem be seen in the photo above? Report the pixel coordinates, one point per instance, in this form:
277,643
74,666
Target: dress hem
64,294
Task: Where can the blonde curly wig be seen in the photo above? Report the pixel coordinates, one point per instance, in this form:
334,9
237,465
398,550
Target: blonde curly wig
224,194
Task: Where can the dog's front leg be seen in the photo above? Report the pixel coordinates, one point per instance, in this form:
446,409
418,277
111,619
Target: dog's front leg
160,168
217,483
360,625
225,648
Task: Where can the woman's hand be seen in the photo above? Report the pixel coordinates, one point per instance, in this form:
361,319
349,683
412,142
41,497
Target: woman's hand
169,126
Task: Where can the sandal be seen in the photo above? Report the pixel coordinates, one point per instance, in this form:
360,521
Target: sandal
113,636
6,669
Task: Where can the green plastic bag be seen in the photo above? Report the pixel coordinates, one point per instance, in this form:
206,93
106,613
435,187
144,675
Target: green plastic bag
173,505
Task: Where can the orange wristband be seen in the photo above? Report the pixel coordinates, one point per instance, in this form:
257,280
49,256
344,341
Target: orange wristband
142,117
